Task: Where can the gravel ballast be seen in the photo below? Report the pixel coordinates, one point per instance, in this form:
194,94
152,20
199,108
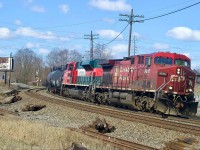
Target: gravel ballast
61,116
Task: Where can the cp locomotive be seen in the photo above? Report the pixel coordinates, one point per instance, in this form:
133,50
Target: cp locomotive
159,82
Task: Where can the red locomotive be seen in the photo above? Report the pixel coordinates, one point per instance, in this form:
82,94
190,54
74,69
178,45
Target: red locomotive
159,82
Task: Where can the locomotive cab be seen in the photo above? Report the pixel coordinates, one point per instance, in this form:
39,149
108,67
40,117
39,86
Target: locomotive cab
175,82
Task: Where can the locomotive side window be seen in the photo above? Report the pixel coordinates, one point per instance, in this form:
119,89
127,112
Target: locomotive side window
132,60
180,62
148,61
70,67
161,60
141,60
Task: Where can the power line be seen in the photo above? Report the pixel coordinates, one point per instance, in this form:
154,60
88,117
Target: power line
171,12
168,6
114,38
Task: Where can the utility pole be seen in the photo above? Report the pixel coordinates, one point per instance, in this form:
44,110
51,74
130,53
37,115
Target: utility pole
130,21
10,70
91,37
135,46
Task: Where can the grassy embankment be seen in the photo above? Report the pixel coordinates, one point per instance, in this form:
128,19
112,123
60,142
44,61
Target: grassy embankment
23,134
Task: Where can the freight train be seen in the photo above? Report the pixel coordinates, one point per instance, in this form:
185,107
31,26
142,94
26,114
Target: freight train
160,82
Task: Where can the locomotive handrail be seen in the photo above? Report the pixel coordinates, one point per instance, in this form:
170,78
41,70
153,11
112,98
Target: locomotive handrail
161,87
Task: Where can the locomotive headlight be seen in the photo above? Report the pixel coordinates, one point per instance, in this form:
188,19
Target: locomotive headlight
190,90
170,88
178,71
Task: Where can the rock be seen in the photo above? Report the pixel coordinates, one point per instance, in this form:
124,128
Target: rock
11,99
9,92
31,107
102,126
19,86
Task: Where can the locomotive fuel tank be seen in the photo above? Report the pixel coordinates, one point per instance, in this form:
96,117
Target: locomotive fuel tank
75,93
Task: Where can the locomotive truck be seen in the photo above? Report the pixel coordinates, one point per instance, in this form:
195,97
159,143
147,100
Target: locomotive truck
158,82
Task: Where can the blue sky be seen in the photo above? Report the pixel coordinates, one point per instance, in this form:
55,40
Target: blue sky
45,25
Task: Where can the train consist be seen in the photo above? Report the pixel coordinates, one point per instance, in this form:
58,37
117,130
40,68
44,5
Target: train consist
159,82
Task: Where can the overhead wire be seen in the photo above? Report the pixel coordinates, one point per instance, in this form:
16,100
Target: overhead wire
169,13
151,18
115,37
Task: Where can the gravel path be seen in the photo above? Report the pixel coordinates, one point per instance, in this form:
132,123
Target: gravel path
61,116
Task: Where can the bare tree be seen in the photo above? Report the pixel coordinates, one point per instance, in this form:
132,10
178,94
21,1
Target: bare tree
74,55
27,63
100,52
57,57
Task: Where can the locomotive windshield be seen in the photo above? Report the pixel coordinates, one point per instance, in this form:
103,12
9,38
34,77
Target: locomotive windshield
180,62
162,60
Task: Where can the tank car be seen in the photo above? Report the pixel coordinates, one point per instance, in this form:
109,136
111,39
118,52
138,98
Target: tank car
54,79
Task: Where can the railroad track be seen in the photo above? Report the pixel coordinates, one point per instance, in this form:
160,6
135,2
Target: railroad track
116,142
175,125
4,111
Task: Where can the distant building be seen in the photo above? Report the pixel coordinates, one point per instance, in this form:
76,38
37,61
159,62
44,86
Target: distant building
197,72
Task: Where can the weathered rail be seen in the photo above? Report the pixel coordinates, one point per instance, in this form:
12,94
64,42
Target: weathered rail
116,142
4,111
171,124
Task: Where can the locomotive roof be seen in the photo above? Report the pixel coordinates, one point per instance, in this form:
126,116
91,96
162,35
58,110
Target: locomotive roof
166,54
171,55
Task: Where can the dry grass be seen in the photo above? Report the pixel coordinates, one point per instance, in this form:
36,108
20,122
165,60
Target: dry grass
23,134
197,89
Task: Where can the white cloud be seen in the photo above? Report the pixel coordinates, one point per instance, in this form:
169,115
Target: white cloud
5,33
118,5
29,32
109,34
108,20
136,34
118,48
18,22
160,46
64,8
32,45
38,9
43,51
184,33
1,5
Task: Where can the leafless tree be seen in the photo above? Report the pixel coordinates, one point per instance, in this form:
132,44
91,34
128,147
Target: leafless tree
57,57
100,52
74,55
26,65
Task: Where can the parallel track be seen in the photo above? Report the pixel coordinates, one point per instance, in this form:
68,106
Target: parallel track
4,111
119,143
116,142
125,115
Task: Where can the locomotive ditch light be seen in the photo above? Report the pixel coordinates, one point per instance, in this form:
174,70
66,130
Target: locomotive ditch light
178,71
190,90
162,74
170,88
